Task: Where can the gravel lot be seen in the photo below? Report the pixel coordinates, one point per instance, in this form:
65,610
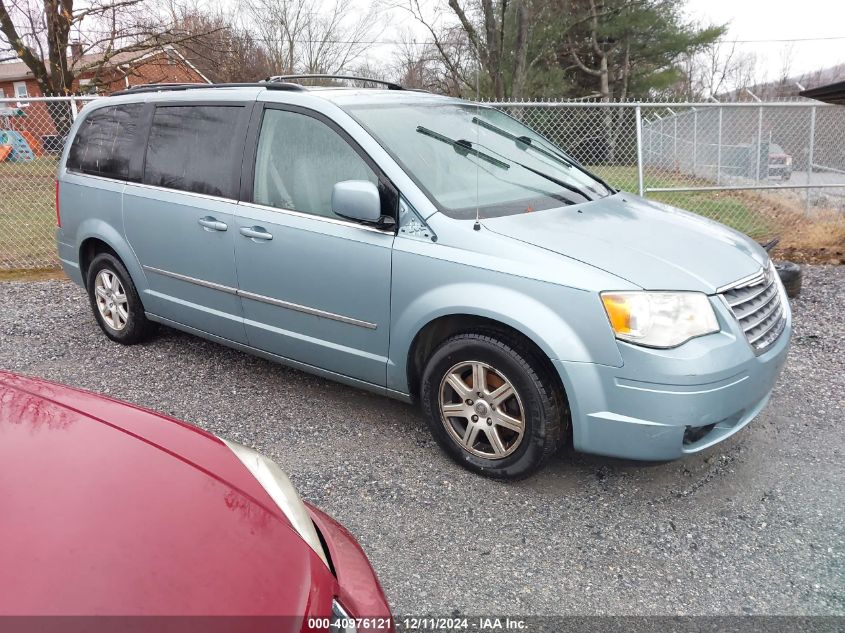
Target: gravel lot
753,526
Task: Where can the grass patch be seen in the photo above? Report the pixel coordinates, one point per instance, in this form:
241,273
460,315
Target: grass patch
32,274
27,214
727,207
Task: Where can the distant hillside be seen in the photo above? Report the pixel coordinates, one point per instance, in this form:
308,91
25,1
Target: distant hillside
789,87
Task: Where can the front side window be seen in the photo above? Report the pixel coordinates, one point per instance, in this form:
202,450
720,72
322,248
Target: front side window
191,148
104,143
473,159
298,162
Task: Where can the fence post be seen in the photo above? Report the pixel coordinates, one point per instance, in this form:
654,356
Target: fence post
719,150
676,166
73,111
760,143
640,184
810,155
694,142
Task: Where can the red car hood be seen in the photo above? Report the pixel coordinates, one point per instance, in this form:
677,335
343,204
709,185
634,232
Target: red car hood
111,509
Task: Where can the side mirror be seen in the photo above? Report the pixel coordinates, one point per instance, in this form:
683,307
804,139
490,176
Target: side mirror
357,200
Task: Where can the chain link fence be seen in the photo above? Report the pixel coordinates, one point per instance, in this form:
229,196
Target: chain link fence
767,169
32,136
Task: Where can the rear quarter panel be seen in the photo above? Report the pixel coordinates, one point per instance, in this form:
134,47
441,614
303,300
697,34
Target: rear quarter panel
92,207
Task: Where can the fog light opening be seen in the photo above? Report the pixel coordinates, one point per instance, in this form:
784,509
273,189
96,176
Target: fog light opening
692,434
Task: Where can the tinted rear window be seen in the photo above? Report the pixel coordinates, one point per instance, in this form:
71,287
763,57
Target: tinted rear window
191,148
104,143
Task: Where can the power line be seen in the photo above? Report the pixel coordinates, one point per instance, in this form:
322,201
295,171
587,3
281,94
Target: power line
428,42
793,39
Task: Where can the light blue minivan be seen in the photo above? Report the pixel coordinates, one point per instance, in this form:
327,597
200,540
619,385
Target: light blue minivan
429,249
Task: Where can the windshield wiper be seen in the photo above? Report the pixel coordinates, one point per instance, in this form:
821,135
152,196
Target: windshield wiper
560,183
525,143
463,147
557,181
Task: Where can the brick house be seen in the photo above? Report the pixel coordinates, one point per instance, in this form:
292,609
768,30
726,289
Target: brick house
124,70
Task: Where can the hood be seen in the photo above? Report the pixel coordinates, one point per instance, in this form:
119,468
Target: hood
112,510
652,245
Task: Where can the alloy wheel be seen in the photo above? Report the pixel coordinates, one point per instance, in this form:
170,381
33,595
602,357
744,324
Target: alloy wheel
111,299
481,410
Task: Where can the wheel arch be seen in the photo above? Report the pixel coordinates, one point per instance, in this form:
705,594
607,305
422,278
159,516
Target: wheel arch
442,327
96,237
89,249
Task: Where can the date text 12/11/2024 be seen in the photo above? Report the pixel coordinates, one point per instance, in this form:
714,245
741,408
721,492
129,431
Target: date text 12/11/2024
460,624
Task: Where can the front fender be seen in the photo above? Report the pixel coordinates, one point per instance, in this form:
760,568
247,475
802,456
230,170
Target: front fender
565,323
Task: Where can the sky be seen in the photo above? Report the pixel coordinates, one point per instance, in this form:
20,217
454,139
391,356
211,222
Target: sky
765,22
780,20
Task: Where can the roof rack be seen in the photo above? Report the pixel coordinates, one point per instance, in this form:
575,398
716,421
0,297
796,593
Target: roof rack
282,78
270,85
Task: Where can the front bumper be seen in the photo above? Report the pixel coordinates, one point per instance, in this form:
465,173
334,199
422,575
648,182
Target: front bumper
643,409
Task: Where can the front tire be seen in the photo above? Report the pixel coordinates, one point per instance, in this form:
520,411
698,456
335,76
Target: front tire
492,405
115,302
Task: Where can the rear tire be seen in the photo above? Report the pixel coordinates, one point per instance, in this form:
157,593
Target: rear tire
115,302
492,405
791,276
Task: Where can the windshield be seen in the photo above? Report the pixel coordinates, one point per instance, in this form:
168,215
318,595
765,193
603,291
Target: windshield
470,158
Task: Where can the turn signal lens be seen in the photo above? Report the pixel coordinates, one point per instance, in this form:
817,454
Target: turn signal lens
619,313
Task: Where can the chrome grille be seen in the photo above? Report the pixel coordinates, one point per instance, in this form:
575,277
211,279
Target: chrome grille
758,307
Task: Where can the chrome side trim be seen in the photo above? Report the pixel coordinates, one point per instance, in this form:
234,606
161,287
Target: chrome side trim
264,299
745,281
82,174
182,192
306,309
193,280
311,369
318,218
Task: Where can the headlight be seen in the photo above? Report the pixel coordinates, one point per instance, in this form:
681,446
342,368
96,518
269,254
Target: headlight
281,491
659,319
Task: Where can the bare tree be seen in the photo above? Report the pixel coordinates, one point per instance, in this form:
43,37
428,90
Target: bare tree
420,64
223,49
38,33
721,68
301,36
498,32
787,54
334,39
278,25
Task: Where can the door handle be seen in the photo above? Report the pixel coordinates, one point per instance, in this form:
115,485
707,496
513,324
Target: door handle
210,223
256,233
